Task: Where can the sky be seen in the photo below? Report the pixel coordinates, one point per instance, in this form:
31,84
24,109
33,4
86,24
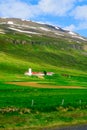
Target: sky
68,14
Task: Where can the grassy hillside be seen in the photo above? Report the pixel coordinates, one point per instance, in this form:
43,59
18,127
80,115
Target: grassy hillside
19,52
39,107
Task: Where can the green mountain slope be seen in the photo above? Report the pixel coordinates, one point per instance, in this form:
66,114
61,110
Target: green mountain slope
19,51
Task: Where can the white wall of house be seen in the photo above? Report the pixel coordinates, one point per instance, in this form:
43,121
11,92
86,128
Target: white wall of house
29,73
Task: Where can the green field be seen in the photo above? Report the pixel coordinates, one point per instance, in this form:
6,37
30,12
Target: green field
29,107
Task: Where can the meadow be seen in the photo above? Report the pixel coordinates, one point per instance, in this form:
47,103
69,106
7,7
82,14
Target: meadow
32,107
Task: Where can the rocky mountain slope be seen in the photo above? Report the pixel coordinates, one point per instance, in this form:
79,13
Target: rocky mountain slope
29,27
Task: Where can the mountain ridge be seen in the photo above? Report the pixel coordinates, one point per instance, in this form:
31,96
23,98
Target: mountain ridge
27,26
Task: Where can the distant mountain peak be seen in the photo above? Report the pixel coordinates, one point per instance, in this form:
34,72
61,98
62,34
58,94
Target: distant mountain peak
37,28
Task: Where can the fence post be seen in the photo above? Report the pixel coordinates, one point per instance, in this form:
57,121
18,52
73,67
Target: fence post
32,103
62,102
80,102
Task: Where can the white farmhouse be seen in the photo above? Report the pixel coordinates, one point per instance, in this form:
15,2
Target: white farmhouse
30,73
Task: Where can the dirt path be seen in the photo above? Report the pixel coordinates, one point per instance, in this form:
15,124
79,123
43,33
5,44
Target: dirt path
35,84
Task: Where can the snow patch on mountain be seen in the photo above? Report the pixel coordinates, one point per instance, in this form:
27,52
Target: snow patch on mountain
25,26
79,38
59,34
15,29
72,33
29,27
57,28
39,22
45,29
10,22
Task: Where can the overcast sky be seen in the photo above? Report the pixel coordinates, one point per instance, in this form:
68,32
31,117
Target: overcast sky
68,14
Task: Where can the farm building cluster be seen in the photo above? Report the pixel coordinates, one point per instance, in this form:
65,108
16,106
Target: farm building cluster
30,73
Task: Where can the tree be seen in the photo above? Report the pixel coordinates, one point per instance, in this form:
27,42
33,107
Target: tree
45,73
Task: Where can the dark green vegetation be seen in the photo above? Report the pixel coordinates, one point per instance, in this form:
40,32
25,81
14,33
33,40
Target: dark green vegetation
28,107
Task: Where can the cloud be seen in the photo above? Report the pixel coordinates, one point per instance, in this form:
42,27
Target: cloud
80,12
71,27
22,9
82,25
17,8
55,7
80,15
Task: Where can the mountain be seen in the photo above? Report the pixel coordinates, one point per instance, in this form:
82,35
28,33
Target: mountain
25,44
29,27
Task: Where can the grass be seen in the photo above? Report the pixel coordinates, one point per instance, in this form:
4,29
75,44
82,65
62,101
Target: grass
39,49
38,120
23,96
50,107
27,107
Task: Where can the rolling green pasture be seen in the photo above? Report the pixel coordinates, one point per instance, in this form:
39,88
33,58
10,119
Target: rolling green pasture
44,99
35,107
